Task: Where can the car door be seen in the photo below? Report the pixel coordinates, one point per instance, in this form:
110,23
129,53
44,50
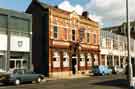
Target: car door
32,76
18,74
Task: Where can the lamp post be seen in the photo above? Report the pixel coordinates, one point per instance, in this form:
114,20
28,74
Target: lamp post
130,73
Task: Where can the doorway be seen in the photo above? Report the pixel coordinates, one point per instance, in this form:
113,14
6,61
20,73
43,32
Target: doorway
2,62
17,64
74,65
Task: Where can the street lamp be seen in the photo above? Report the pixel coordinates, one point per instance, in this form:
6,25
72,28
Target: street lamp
130,73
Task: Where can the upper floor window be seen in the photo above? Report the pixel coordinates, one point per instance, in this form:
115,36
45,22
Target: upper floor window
55,21
73,35
88,37
65,33
115,42
94,38
55,32
82,36
108,43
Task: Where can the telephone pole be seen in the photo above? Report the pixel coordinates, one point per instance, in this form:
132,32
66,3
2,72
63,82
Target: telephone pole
130,73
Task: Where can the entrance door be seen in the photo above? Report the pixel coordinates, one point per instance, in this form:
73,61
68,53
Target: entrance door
2,62
17,64
74,64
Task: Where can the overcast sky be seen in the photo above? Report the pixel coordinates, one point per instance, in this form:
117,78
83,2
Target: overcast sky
106,12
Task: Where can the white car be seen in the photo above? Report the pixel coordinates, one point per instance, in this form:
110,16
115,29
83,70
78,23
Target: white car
117,69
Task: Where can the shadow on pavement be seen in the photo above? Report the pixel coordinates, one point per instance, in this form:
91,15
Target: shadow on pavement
120,83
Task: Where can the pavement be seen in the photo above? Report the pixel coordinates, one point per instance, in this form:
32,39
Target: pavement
91,82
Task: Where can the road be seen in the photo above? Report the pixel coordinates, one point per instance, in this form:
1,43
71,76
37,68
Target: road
92,82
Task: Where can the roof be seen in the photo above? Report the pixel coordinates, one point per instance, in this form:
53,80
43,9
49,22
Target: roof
44,5
14,13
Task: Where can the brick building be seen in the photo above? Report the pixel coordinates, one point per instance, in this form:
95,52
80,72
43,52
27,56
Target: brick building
64,43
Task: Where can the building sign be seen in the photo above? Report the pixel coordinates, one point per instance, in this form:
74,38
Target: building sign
60,43
20,43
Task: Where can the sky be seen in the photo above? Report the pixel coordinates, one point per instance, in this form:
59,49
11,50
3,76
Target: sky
106,12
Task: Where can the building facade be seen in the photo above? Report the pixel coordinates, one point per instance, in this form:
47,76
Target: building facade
114,49
122,29
64,43
15,37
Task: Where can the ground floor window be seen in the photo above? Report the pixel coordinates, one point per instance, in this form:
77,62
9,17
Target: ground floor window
89,59
18,64
96,59
109,60
116,60
65,59
56,59
2,62
103,59
82,60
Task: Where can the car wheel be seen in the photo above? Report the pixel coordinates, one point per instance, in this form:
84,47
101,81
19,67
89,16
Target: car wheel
103,73
38,80
17,82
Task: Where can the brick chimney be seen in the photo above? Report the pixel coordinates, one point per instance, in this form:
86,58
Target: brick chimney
85,14
34,0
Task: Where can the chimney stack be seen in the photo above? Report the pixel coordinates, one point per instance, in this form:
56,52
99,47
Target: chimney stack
34,0
85,14
56,6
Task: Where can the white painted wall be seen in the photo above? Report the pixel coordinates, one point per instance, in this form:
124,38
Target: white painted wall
19,43
3,42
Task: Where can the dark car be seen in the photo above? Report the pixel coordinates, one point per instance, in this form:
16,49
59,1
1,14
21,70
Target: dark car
19,76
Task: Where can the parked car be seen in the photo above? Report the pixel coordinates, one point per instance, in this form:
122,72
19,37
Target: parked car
19,76
101,70
117,69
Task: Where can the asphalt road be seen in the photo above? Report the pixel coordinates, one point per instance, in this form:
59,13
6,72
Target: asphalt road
92,82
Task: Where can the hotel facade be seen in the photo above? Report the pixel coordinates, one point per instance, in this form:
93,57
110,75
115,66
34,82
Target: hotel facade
15,40
64,43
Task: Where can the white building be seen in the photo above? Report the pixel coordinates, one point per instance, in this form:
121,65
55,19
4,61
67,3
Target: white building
15,40
114,49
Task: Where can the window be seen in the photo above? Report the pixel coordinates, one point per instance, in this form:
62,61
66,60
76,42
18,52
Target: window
65,33
82,30
108,43
94,38
64,59
12,64
88,37
55,31
80,59
54,59
115,42
73,35
55,21
18,64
